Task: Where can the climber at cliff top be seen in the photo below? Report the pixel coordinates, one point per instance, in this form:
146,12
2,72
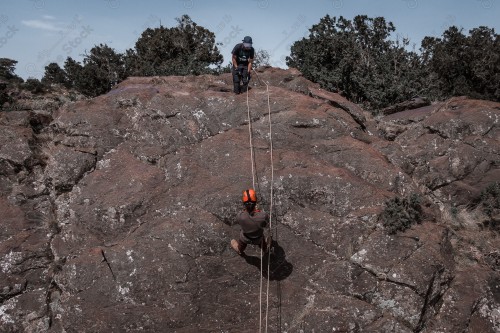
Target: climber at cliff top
243,54
252,222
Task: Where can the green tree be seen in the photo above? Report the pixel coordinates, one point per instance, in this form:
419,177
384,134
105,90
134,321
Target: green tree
484,48
34,85
462,64
185,49
7,68
4,95
131,63
262,58
447,58
8,80
54,74
102,69
358,58
72,68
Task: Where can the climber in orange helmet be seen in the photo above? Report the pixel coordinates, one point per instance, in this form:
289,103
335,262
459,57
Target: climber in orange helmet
252,222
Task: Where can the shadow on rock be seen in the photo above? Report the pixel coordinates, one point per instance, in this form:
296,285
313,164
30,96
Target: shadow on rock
280,269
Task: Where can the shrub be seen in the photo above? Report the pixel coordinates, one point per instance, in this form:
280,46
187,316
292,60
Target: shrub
490,198
34,86
401,213
185,49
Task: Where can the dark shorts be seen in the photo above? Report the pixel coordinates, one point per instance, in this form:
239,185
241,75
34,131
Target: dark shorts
247,240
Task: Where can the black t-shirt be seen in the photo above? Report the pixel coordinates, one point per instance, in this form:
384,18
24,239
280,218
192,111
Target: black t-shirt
242,55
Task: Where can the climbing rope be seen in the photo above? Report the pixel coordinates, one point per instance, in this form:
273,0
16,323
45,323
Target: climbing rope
270,204
252,159
270,201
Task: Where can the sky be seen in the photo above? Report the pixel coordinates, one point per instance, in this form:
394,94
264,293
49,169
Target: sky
39,32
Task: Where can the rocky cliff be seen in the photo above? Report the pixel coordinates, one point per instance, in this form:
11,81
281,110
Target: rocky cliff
117,212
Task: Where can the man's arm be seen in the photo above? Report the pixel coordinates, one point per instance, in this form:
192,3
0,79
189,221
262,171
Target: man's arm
235,63
250,60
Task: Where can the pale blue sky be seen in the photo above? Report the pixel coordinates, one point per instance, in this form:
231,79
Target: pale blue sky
37,32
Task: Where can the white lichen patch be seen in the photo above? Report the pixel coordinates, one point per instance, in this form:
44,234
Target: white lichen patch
359,256
199,114
129,255
179,170
5,318
103,164
10,260
123,290
113,217
492,313
455,163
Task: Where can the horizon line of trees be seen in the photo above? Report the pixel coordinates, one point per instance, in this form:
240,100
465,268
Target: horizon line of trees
355,57
358,58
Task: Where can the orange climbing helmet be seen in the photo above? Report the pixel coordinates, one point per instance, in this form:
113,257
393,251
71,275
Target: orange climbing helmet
249,196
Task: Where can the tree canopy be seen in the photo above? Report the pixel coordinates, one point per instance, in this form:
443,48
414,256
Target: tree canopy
7,68
7,79
459,64
102,69
182,50
363,59
359,58
54,74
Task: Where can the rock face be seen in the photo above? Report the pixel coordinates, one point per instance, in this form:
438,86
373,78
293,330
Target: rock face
117,212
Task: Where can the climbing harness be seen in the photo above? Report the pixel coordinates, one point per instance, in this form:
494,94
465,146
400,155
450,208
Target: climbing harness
269,242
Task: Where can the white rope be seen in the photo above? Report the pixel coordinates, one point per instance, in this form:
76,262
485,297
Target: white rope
271,202
251,142
252,158
260,290
252,161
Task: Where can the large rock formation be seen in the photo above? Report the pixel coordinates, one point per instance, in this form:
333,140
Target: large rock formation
117,212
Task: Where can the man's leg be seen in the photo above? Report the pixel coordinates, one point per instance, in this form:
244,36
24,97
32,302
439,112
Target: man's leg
243,242
236,80
238,246
242,246
245,79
